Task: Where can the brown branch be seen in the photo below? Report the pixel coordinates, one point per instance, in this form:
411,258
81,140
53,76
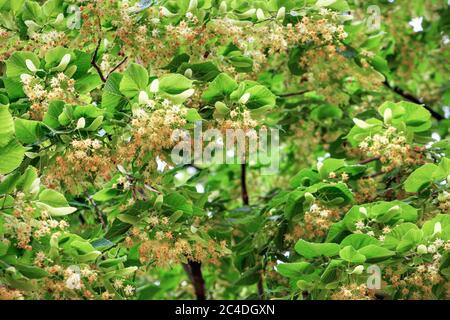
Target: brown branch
413,99
366,161
194,272
94,61
245,201
293,94
244,192
117,66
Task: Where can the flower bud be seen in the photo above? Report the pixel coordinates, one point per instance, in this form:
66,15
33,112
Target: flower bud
363,211
81,123
245,97
437,228
358,270
154,86
64,62
143,97
361,124
59,18
223,7
309,197
166,13
319,166
422,249
30,65
25,77
395,208
249,13
281,14
188,93
31,25
188,73
387,115
221,108
260,14
193,4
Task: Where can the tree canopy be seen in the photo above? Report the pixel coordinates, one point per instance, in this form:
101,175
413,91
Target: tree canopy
353,204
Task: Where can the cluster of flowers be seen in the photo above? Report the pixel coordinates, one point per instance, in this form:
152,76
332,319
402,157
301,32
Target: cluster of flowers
60,87
392,149
417,283
160,247
354,291
152,127
315,225
84,162
28,223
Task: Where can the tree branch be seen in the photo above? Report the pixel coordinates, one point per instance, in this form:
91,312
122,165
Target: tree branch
117,66
94,61
194,272
413,99
244,192
292,94
366,161
245,201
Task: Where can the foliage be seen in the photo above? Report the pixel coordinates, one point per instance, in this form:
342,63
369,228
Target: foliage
93,207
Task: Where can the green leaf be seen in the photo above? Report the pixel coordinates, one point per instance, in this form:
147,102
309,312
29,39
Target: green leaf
420,178
9,183
6,126
312,250
393,238
349,254
11,156
374,253
330,165
409,240
27,131
55,108
415,116
53,198
112,97
26,181
15,65
105,194
332,194
305,177
176,201
292,270
260,96
223,85
135,79
358,241
205,71
192,115
31,272
174,83
330,273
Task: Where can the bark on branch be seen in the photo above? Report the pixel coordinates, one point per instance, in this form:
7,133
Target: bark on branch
194,272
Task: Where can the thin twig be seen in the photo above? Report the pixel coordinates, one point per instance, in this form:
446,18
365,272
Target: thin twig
94,61
366,161
117,66
293,94
413,99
